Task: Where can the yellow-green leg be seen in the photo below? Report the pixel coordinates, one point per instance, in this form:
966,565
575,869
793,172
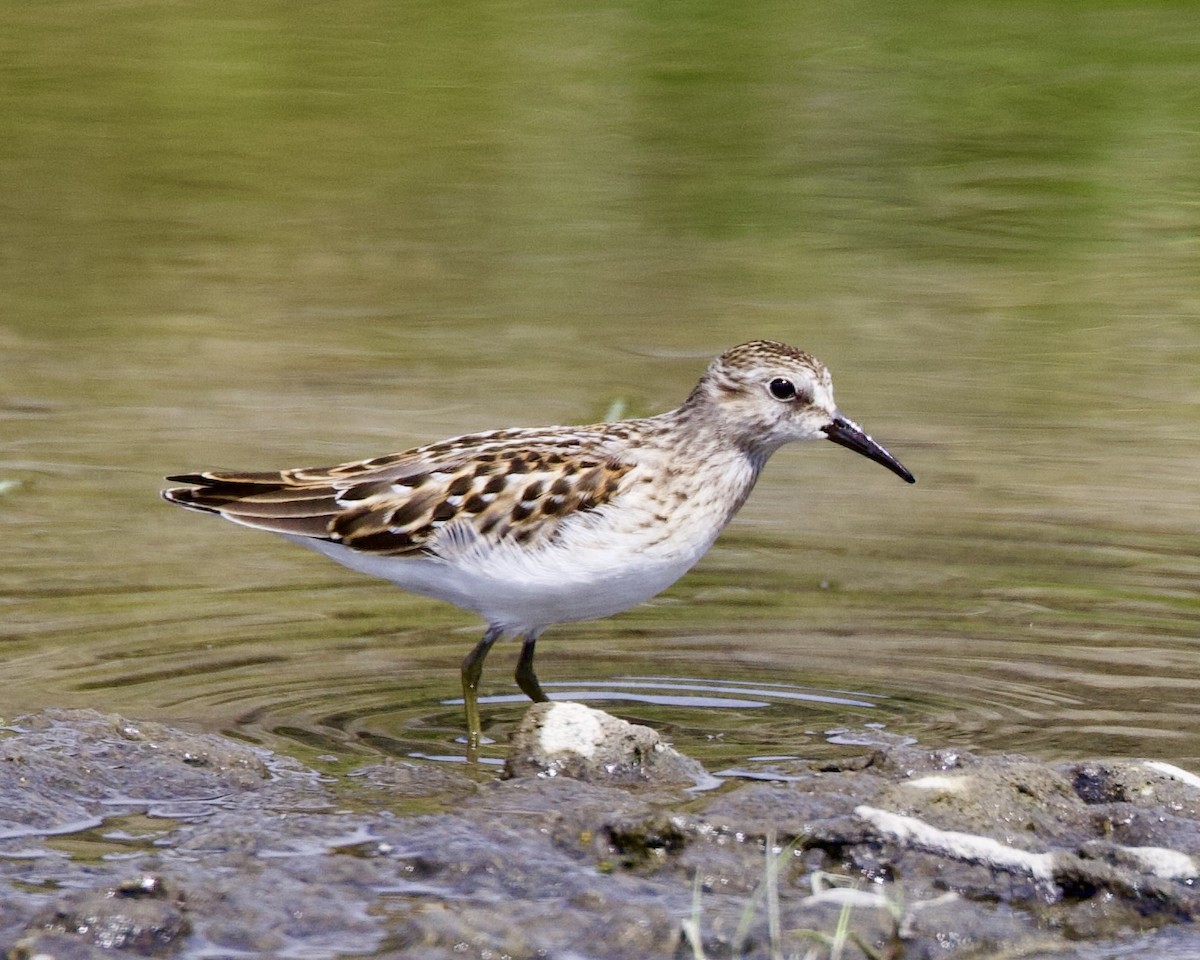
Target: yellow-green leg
472,667
526,679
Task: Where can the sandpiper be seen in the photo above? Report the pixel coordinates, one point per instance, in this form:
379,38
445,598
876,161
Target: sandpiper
534,526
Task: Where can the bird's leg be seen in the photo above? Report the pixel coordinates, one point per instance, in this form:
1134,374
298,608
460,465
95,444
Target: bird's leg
526,679
472,667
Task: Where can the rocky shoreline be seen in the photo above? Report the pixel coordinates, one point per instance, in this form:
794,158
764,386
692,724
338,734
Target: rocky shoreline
127,838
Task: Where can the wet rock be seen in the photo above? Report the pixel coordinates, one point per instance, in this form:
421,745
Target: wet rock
572,740
88,799
64,767
573,814
57,946
597,927
1018,802
401,779
793,809
908,852
999,833
143,916
1139,783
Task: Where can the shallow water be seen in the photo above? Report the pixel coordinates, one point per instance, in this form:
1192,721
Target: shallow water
258,237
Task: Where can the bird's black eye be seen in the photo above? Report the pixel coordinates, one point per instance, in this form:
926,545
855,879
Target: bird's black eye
782,389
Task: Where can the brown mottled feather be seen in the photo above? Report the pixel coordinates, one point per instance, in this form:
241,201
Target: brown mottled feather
518,484
521,506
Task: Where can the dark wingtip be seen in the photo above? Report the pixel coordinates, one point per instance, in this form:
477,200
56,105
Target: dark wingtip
185,497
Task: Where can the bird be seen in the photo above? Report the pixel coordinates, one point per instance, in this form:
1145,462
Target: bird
530,527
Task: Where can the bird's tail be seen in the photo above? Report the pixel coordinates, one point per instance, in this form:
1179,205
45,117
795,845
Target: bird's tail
266,501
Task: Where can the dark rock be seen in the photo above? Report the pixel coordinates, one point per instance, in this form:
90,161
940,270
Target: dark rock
1141,783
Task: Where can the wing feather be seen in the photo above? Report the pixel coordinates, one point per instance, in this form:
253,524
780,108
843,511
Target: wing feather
521,485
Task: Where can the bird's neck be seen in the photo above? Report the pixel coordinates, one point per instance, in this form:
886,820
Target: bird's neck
712,441
700,417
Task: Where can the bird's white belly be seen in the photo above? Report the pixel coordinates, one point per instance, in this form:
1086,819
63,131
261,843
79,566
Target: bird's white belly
525,590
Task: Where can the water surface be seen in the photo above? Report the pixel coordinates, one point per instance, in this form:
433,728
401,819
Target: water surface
247,235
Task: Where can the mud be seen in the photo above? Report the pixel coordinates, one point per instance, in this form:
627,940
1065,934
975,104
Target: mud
134,839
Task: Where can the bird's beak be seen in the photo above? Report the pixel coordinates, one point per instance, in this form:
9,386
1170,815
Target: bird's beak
850,434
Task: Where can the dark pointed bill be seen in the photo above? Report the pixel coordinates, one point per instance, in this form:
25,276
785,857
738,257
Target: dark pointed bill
849,434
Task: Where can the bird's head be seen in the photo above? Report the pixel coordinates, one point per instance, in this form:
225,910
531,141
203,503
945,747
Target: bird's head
767,394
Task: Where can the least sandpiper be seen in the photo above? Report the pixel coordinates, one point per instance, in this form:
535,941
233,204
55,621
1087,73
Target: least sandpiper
534,526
